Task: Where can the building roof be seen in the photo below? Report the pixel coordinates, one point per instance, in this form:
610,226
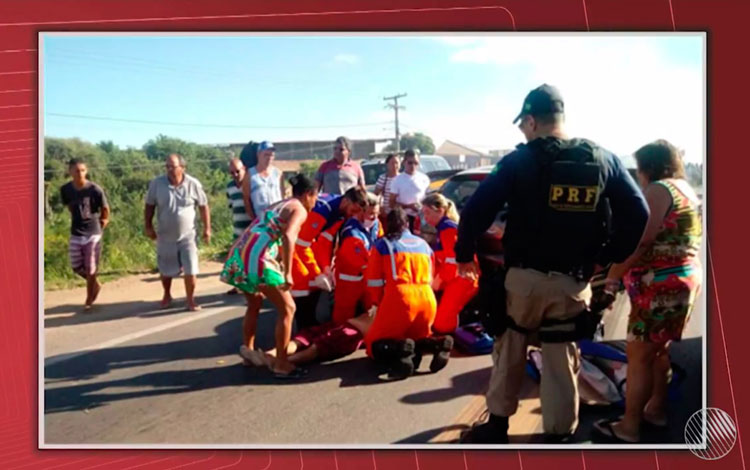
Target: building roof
450,148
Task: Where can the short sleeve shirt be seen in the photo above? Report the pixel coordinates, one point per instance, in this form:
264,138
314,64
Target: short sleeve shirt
175,206
410,189
338,179
85,207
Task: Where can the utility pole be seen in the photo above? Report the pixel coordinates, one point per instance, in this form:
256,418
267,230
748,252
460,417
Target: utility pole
395,108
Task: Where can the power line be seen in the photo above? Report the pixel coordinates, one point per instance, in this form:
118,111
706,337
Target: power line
105,63
188,124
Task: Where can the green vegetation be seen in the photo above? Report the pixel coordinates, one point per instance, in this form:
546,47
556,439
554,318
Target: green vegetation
310,168
414,141
124,175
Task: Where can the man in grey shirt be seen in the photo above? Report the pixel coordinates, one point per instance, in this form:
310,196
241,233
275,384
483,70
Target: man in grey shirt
174,196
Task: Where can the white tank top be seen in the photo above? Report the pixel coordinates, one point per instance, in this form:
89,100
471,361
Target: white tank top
264,190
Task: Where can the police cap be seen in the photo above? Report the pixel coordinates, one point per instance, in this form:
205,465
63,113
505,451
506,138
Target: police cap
544,99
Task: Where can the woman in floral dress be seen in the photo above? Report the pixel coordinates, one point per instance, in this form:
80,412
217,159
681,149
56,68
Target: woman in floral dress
662,278
253,267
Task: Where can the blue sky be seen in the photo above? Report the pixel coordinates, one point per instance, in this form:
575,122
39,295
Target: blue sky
621,91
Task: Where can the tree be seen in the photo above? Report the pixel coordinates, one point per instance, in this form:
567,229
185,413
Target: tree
309,168
414,141
124,174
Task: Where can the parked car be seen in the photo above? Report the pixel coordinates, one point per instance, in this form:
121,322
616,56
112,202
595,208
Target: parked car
434,166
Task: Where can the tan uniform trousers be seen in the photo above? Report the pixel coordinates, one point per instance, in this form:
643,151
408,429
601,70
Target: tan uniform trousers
531,297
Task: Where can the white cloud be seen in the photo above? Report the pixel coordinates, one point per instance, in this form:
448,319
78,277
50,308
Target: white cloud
622,92
350,59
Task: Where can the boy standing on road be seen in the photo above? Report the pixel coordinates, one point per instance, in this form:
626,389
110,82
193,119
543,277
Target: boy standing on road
89,215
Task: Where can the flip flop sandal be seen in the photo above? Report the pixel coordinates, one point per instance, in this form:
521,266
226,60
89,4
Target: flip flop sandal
251,356
604,428
296,374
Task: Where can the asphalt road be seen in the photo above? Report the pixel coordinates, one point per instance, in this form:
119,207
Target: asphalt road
131,374
174,377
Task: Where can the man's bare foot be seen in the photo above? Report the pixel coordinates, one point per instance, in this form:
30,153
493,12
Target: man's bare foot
193,307
166,302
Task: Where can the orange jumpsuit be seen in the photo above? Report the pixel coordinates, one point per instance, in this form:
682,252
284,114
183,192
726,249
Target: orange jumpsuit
399,274
457,290
313,251
351,261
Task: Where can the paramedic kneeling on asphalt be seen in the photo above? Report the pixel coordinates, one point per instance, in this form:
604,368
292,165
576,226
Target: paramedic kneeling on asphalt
571,206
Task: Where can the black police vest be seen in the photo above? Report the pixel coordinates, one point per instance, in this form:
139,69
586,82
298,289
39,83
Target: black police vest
558,217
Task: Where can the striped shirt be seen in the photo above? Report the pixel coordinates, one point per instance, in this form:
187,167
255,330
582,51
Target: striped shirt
385,183
239,217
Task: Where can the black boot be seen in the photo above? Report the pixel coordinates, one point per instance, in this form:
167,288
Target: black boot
494,431
440,348
396,355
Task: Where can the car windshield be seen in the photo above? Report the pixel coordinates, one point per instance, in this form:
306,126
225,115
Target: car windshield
372,172
460,189
433,164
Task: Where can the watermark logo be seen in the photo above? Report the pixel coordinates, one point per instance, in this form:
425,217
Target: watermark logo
710,433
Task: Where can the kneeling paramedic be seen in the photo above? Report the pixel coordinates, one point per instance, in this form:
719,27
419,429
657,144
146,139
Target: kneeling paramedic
571,206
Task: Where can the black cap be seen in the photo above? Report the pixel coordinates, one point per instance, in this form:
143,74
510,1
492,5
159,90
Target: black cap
545,99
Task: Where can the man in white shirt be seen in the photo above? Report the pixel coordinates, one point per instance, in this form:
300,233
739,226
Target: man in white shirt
409,188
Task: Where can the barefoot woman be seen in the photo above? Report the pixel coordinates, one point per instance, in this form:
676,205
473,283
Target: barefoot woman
252,266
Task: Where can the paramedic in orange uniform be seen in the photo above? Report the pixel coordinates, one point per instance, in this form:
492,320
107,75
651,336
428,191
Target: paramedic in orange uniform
313,252
352,255
399,278
457,291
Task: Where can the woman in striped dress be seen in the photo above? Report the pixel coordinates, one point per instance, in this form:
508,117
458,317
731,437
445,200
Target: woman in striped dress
384,182
663,278
253,267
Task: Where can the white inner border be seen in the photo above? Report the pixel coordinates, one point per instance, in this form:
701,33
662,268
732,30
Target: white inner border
40,218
